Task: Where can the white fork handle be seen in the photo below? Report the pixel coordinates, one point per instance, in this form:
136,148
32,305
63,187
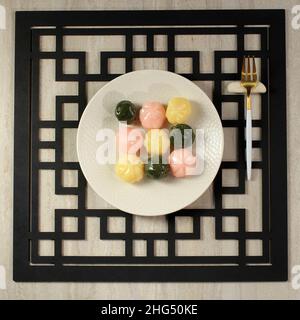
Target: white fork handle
249,143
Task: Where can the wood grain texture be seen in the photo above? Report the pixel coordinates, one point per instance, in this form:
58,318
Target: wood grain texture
149,290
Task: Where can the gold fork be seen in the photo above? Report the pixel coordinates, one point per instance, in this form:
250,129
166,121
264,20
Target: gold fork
248,81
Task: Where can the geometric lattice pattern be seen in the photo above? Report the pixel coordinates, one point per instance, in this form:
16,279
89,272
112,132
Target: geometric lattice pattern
41,146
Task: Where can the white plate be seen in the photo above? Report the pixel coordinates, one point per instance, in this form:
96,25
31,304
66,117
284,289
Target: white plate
150,197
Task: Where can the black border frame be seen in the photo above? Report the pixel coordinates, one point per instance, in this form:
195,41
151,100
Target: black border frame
278,271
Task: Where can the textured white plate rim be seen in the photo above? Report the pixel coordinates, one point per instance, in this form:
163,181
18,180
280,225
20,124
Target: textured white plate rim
162,211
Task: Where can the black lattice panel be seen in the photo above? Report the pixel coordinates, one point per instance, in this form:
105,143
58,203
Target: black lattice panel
135,248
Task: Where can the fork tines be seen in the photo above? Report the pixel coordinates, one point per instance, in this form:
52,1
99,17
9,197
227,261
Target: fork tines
248,73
